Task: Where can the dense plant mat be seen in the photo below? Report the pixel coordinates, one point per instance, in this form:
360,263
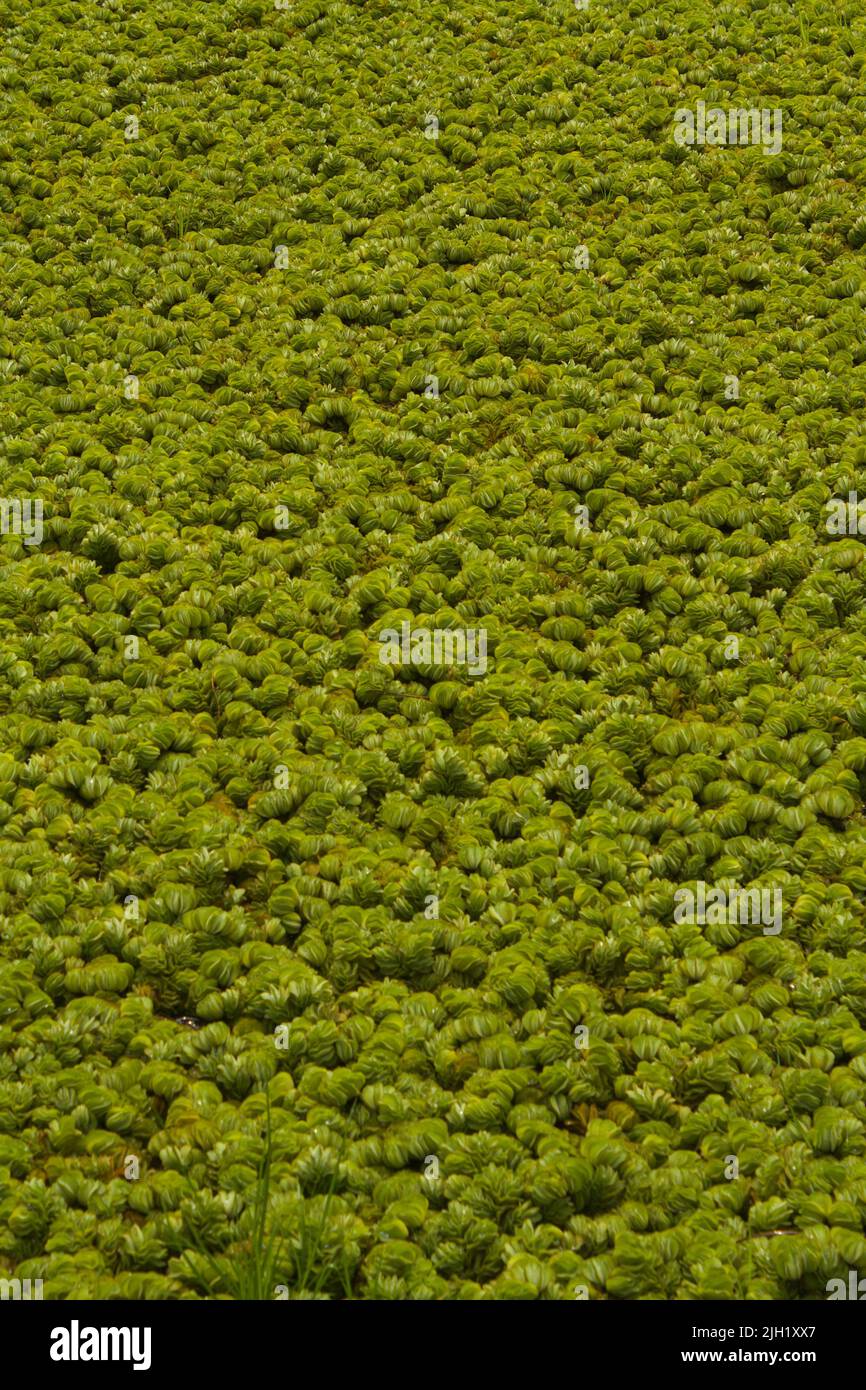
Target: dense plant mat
329,976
